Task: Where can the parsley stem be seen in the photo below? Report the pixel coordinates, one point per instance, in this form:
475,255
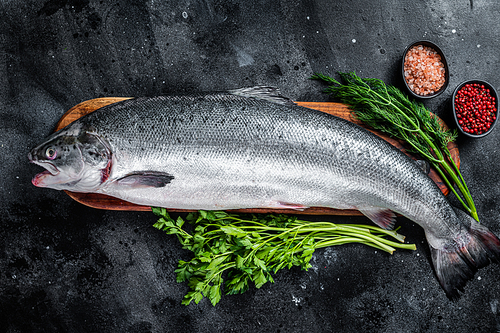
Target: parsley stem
376,229
248,250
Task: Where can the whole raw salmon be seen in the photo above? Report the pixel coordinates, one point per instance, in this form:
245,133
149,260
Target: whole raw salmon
250,148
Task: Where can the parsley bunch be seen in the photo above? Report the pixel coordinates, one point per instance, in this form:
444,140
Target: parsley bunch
246,249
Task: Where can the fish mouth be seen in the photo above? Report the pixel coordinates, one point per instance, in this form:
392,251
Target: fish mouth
50,167
40,179
50,170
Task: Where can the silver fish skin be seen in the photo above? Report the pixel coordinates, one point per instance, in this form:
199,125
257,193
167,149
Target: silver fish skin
251,148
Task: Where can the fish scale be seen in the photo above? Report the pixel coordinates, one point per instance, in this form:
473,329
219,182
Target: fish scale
250,148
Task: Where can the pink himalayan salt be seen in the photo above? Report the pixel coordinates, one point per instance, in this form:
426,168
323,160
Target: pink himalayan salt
423,70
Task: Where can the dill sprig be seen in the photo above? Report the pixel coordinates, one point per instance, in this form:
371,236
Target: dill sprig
233,251
389,110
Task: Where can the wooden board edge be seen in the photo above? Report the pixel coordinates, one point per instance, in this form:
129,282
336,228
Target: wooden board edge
97,201
85,107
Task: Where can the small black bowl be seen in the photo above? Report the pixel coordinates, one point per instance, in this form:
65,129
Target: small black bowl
443,60
493,93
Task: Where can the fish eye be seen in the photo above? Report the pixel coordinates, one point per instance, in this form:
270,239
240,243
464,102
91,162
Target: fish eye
51,153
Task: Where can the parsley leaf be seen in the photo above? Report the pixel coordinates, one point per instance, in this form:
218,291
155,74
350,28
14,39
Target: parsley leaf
230,251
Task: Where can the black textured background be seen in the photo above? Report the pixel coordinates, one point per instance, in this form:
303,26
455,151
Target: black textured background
68,268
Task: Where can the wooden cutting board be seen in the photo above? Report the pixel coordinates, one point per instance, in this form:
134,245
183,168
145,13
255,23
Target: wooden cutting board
106,202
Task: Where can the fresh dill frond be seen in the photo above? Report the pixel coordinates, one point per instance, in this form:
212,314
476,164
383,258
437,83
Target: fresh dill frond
389,110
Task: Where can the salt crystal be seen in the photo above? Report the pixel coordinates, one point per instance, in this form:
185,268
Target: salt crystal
423,66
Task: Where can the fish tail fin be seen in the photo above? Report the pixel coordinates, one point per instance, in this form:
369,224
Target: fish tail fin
456,265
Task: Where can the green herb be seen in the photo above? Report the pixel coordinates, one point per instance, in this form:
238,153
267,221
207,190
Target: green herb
389,110
250,249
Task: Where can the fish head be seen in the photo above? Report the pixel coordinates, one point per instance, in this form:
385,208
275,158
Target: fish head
77,161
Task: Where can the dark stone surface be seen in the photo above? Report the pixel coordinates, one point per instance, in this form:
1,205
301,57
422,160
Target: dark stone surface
68,268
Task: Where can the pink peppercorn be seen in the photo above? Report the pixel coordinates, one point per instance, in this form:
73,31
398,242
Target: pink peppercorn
475,108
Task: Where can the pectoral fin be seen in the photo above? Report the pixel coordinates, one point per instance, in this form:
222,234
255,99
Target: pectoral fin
382,217
146,179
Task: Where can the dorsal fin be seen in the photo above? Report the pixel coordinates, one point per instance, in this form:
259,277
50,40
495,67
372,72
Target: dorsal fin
270,94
